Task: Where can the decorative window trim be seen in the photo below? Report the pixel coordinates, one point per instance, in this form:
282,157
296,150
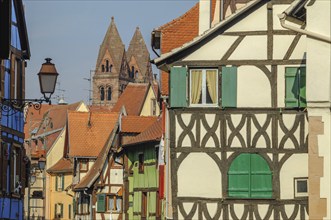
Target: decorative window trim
83,168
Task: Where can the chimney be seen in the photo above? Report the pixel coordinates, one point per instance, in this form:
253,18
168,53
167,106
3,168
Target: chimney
204,15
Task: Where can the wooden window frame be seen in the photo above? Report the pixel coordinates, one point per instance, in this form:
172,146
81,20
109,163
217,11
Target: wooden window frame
141,160
300,194
204,88
81,168
115,206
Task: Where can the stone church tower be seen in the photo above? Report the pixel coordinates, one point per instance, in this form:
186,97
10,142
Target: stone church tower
115,68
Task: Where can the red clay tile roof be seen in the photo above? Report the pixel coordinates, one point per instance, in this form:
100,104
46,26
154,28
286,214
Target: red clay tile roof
62,166
136,124
49,121
89,131
132,98
152,133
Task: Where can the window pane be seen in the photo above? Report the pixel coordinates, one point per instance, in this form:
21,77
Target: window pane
302,186
211,93
111,203
196,86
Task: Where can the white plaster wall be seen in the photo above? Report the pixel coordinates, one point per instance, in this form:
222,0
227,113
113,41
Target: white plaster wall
253,88
251,48
281,45
253,22
295,166
116,176
198,175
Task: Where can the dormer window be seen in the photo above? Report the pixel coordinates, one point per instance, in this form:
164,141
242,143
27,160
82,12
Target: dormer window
102,94
109,93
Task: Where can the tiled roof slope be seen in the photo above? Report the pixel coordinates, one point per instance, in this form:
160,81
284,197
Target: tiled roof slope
33,118
185,28
136,124
88,132
62,166
139,51
152,133
113,43
132,98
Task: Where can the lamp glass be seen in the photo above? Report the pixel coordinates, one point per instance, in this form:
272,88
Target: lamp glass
41,164
47,83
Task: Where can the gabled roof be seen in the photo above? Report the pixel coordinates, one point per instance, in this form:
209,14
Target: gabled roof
88,132
132,98
139,51
136,124
152,133
64,165
113,43
180,52
97,168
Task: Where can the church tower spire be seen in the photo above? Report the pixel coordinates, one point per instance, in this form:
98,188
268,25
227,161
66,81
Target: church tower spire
110,65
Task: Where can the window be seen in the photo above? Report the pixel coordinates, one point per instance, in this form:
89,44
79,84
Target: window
295,87
153,106
203,86
114,203
110,67
109,93
102,94
59,185
301,187
144,205
136,74
132,72
107,65
83,166
58,210
84,204
103,68
249,176
141,162
157,155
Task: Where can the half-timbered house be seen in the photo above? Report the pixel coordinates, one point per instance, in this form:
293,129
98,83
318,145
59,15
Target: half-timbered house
236,119
14,51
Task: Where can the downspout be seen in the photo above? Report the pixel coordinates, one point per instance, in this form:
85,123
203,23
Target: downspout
90,195
282,19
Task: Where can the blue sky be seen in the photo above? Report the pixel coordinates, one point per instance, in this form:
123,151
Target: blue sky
70,32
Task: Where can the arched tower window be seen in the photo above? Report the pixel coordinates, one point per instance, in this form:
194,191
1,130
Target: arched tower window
103,68
110,67
132,72
107,65
136,74
102,94
109,93
249,176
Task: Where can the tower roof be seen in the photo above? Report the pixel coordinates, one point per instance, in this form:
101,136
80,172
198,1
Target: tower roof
113,43
138,49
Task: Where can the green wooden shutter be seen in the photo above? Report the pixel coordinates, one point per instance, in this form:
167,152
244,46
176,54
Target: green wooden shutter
292,87
62,177
178,80
61,206
74,207
229,86
239,184
249,176
303,101
101,203
69,211
55,209
56,179
261,177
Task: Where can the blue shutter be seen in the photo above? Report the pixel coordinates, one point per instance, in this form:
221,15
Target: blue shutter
178,80
229,86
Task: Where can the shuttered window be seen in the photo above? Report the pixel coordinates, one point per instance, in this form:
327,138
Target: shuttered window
178,88
249,176
295,87
101,203
229,86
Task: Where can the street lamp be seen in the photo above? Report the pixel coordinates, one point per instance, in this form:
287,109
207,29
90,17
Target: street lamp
42,163
47,80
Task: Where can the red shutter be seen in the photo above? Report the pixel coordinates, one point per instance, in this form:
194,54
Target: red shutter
161,182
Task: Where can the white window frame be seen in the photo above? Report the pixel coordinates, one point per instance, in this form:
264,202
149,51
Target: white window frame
300,194
203,88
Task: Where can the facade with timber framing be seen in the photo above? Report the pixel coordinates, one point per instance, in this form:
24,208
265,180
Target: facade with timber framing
14,51
236,123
